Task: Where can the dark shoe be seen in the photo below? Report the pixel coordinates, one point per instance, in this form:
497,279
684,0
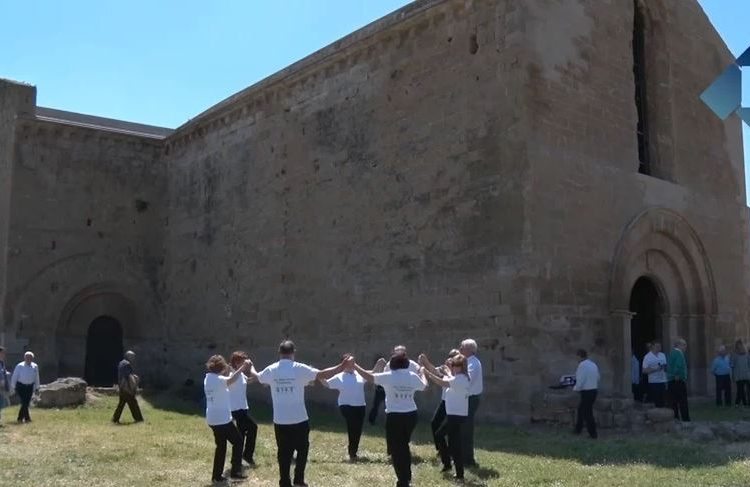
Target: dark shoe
139,420
249,461
300,484
237,475
218,479
353,458
471,465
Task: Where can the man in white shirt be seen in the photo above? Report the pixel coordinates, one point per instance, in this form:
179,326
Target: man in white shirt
587,383
655,367
25,381
468,349
287,380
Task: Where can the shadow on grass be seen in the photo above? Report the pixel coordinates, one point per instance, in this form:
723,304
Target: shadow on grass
610,449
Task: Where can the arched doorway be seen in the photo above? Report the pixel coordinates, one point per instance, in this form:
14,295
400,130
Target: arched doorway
647,308
104,350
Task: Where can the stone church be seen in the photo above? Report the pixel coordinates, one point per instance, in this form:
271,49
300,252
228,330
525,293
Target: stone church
537,174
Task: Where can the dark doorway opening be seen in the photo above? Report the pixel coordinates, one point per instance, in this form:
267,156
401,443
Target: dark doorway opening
646,324
103,351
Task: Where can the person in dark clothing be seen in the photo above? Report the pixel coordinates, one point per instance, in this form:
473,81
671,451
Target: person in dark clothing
128,386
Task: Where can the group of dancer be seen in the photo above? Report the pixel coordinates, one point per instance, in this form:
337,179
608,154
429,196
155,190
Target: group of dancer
225,385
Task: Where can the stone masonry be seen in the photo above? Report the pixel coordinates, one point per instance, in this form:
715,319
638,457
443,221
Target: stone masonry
458,168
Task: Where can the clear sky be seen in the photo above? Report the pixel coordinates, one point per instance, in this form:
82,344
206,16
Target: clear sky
163,61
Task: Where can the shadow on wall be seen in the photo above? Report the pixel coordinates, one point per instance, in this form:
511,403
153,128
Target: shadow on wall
614,449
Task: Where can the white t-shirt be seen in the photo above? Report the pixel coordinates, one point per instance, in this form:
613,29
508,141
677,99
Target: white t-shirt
399,386
475,374
238,394
651,360
288,380
351,388
413,367
217,399
457,395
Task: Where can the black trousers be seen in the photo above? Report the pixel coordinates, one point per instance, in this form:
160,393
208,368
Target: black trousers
451,429
586,413
224,433
355,420
656,393
24,391
291,438
742,392
132,403
723,387
248,429
398,430
377,399
678,394
637,392
437,421
467,432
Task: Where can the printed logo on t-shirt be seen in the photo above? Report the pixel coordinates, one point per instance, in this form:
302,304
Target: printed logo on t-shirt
284,385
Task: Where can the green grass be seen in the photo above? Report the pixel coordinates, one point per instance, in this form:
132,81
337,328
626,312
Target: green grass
175,447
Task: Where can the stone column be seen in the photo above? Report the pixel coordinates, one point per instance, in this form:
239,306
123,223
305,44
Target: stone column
621,359
698,344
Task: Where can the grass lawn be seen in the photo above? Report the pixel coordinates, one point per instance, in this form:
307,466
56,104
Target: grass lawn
175,447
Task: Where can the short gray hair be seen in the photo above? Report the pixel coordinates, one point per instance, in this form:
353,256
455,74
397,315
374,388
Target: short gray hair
679,341
29,353
129,354
722,348
471,344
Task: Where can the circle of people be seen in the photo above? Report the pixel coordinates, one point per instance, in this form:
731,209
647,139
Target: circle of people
397,379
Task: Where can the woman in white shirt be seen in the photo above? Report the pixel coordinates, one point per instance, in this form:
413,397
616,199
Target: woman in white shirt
247,427
456,384
219,416
351,402
439,415
400,410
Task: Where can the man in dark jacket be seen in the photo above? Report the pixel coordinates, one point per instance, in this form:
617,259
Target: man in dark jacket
128,385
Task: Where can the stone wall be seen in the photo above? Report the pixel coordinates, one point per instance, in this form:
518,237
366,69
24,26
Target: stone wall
457,168
370,197
84,239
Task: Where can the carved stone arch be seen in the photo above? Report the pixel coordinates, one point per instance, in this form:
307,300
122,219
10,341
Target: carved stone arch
660,244
98,300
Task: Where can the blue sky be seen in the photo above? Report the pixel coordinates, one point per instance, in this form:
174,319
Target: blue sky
164,61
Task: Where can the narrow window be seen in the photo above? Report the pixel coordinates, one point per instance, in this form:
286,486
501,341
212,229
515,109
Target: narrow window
639,73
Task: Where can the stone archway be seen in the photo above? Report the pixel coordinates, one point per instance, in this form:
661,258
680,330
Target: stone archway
661,246
101,315
104,349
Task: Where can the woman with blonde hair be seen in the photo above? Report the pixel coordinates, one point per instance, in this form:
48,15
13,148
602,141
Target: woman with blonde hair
219,416
456,385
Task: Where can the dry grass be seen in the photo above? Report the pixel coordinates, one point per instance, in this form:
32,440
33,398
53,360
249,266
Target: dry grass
174,447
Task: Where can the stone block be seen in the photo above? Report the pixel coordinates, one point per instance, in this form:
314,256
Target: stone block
70,391
603,404
724,430
660,415
742,431
621,420
701,433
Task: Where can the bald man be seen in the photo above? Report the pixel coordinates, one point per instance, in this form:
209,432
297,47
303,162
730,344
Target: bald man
128,385
25,381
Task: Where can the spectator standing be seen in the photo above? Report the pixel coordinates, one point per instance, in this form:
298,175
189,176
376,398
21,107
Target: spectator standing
721,368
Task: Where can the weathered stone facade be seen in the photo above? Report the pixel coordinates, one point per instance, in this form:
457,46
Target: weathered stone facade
457,168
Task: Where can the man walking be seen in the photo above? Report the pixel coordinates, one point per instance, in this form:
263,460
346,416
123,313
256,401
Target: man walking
25,381
128,385
677,375
721,368
468,349
587,383
287,380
